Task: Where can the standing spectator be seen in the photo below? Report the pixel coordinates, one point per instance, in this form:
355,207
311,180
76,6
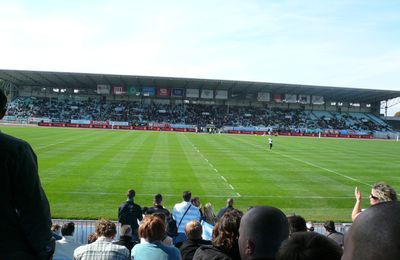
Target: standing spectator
296,224
129,213
332,233
262,230
182,213
193,231
152,231
196,202
66,246
309,246
125,238
375,234
208,214
380,192
229,206
25,212
224,239
103,248
158,207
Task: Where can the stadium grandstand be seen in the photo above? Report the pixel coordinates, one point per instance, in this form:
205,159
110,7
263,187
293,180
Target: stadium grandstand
64,99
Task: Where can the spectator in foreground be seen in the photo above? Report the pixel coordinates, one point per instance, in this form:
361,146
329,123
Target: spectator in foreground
208,214
167,240
129,213
309,246
25,212
296,224
375,234
332,233
125,238
193,231
66,246
224,239
380,192
152,232
103,248
229,206
92,238
183,213
262,230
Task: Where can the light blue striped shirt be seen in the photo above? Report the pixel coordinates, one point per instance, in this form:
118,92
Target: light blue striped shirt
192,214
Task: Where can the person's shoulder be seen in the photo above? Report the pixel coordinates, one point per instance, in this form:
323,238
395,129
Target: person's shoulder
209,252
10,142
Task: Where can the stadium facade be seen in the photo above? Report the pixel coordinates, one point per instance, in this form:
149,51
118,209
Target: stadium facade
320,102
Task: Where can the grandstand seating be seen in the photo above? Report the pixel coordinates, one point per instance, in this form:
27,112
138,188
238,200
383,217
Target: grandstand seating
199,115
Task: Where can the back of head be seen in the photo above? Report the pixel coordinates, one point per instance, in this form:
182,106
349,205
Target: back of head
384,192
130,193
125,231
55,227
158,199
296,224
229,202
68,229
186,196
330,226
193,230
226,232
152,229
375,234
106,228
262,231
309,246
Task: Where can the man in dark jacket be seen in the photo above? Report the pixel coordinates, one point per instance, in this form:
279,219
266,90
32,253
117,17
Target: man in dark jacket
193,231
229,206
129,213
25,212
125,238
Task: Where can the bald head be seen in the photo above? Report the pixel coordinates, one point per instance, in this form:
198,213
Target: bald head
375,234
261,232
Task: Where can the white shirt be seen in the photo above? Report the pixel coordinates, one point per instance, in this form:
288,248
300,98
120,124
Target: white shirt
180,209
270,140
65,248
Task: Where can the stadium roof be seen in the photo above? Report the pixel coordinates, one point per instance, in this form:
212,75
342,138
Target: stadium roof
90,81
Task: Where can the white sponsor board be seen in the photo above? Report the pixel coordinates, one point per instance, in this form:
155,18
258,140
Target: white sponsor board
291,98
113,123
263,96
192,93
318,100
207,93
103,89
221,94
81,121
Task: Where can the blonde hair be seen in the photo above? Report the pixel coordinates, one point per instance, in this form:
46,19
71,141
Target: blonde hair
384,192
208,213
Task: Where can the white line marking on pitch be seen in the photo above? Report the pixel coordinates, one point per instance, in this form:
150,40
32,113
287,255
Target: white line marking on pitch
212,166
311,164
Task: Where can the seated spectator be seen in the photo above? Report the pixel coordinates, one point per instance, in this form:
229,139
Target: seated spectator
262,230
193,231
56,229
167,239
158,207
380,192
152,232
310,226
92,237
309,246
229,206
103,248
296,224
224,238
332,233
66,246
125,237
375,234
208,214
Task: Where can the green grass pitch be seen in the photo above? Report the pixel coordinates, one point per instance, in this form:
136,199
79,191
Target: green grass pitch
86,173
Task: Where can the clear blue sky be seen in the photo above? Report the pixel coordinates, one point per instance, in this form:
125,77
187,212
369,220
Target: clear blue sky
340,43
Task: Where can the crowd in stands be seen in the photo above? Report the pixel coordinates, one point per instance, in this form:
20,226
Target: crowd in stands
263,232
191,114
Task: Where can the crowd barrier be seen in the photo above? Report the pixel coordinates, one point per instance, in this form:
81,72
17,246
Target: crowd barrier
83,228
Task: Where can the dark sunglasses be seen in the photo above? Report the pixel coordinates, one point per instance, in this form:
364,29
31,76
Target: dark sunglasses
372,197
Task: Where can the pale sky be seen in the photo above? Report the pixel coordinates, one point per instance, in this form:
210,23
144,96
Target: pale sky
343,43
